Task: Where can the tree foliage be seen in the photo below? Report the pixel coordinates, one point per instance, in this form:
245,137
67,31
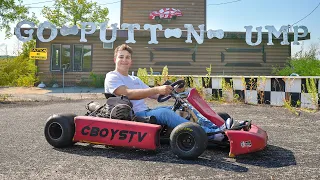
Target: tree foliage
12,12
20,70
72,12
303,63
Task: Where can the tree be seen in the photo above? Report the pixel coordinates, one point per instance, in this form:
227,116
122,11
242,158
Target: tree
304,63
10,12
20,70
72,12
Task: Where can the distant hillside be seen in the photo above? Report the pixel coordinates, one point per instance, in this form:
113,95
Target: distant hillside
5,57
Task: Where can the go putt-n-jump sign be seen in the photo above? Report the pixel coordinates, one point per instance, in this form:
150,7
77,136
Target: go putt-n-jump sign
168,33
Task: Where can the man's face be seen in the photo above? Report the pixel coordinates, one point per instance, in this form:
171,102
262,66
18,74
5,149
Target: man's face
123,60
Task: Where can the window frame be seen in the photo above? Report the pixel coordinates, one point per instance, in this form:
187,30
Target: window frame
51,56
72,57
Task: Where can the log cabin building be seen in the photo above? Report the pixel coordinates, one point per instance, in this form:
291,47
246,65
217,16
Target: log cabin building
230,55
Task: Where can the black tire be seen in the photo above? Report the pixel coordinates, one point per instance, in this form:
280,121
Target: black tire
224,115
59,130
188,140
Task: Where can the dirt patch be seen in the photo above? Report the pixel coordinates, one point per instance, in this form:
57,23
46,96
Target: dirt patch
23,90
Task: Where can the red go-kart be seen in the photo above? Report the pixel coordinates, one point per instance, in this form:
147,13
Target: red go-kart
187,140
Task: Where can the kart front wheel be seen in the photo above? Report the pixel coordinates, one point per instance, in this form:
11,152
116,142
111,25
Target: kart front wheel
188,140
59,130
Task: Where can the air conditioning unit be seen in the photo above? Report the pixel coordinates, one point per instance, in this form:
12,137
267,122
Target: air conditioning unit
108,45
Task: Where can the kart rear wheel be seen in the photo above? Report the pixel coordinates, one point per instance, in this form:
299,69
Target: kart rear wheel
224,115
188,140
59,130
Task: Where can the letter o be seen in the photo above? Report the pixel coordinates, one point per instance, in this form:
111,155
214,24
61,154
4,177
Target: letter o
104,134
41,28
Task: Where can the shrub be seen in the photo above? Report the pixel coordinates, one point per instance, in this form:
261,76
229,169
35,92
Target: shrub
303,64
97,80
20,70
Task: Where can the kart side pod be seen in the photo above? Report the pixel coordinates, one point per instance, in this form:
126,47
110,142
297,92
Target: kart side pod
111,132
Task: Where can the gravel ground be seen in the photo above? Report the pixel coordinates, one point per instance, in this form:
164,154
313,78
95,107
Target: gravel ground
292,151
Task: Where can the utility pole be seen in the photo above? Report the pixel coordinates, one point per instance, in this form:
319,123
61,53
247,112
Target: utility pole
7,52
3,44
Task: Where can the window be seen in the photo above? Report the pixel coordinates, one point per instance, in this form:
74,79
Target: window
82,57
55,57
77,57
65,56
108,45
60,56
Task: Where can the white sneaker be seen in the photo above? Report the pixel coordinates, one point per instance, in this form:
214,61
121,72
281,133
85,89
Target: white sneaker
217,137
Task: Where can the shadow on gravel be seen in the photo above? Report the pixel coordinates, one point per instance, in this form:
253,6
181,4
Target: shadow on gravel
271,157
163,154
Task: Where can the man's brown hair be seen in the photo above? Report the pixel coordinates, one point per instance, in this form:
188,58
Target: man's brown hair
121,48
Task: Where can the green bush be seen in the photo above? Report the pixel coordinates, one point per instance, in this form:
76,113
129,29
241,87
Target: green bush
97,80
20,70
143,75
303,64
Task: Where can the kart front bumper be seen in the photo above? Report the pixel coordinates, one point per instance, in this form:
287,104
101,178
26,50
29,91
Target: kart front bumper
244,142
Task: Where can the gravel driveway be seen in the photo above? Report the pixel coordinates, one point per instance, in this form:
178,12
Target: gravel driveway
292,152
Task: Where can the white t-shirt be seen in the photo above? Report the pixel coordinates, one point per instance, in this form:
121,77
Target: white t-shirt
114,80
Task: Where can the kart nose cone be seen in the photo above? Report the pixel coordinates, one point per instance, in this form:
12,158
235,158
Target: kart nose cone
243,142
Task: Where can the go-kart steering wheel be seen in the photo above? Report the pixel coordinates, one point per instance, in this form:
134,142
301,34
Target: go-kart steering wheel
180,84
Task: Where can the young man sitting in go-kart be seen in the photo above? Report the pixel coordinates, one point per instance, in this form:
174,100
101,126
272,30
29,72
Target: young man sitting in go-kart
119,82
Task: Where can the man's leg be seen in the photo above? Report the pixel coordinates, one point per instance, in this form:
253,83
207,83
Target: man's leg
164,116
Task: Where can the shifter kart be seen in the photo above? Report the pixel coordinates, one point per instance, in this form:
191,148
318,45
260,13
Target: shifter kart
187,140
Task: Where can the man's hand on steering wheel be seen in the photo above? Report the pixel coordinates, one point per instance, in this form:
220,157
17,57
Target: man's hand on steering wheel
173,88
164,89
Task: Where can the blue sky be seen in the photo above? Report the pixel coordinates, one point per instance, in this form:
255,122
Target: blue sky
228,17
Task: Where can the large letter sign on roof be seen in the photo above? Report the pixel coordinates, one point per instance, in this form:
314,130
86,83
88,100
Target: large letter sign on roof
283,30
130,31
153,32
84,32
53,33
103,32
215,33
177,32
296,35
249,36
29,32
65,31
172,33
191,30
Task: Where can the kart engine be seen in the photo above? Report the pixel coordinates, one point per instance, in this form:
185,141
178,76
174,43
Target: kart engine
97,110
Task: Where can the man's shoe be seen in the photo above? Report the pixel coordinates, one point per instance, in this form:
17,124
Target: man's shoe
148,119
229,123
216,137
